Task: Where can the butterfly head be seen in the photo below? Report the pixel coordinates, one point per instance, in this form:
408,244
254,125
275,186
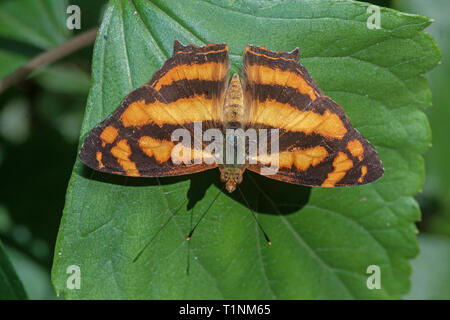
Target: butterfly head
231,176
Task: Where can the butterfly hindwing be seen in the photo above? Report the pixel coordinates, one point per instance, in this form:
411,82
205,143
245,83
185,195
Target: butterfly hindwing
136,139
318,146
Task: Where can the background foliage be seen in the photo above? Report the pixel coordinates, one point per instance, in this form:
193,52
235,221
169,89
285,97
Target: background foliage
322,241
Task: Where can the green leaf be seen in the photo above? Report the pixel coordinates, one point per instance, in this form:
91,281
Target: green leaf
436,195
35,277
66,79
431,274
26,26
10,285
323,239
41,23
9,62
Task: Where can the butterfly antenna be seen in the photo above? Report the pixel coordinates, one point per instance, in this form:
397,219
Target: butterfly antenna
204,213
254,216
157,233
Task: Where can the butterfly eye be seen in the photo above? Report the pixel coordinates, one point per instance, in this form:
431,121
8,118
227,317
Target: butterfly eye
224,177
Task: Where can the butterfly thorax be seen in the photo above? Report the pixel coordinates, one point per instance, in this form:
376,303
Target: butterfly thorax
233,118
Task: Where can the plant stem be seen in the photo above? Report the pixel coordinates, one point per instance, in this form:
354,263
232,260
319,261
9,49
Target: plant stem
76,43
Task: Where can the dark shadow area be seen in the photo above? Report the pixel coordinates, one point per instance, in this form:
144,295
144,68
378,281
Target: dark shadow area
34,181
18,47
382,3
199,182
431,207
287,197
263,194
109,178
267,195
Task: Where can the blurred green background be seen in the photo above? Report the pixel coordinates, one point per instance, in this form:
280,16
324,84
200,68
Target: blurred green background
40,119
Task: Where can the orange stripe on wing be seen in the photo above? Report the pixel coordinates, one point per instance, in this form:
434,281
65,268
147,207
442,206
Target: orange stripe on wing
98,157
186,110
248,49
181,153
302,159
280,115
363,174
210,71
341,165
265,75
159,149
122,152
109,135
356,149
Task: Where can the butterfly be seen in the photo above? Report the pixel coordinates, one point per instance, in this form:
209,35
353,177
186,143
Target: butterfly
316,143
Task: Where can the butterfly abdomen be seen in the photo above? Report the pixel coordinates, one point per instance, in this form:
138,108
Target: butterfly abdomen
233,110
